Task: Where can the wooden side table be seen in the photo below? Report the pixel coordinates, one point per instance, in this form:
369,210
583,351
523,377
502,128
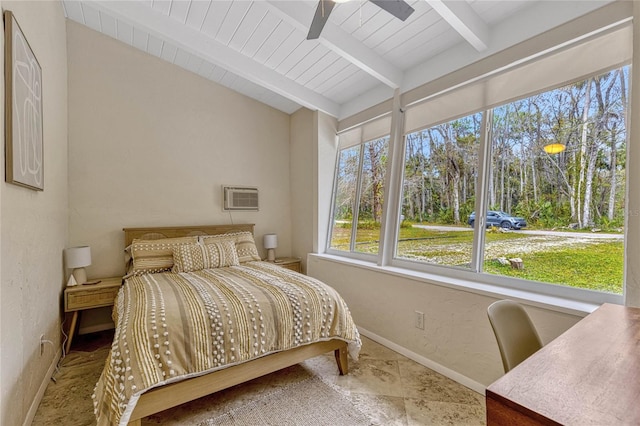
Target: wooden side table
81,297
292,263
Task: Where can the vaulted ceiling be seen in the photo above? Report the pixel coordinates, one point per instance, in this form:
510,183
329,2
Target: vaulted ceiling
259,48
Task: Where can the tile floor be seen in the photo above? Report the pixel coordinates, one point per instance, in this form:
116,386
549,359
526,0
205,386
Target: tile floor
390,388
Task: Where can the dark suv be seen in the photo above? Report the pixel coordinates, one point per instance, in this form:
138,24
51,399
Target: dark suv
501,219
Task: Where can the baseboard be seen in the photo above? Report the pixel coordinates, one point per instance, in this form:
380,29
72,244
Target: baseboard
453,375
43,387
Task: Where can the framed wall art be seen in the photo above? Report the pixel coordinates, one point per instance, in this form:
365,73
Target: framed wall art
24,155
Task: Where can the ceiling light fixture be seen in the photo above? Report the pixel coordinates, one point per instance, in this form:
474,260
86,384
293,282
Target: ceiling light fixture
554,148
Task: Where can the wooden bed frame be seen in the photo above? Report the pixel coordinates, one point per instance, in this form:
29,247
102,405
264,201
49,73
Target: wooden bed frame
168,396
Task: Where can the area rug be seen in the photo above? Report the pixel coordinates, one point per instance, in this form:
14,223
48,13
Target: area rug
310,402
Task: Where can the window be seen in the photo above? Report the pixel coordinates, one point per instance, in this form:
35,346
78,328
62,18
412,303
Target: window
346,185
573,200
516,178
438,192
551,217
370,203
359,189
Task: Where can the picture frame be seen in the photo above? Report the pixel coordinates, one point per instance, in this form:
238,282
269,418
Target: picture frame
24,153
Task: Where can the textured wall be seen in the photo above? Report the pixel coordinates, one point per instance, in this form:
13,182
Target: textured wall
33,228
457,333
313,156
302,174
150,144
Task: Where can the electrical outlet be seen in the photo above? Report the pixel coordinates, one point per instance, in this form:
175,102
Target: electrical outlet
42,341
419,320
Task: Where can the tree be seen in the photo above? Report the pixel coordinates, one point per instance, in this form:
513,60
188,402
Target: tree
373,178
581,184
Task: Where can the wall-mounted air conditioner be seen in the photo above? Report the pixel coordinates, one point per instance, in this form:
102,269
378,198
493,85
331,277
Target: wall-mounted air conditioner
237,198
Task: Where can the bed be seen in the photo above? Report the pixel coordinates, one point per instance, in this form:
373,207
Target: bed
217,318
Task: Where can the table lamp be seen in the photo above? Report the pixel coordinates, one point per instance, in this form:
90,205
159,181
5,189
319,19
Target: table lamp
270,242
77,258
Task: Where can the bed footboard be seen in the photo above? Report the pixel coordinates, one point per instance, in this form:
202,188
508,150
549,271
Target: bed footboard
168,396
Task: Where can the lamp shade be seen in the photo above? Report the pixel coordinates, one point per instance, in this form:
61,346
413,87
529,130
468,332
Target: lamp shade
77,257
270,241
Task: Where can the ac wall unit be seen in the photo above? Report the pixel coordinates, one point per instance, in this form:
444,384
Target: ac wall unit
238,198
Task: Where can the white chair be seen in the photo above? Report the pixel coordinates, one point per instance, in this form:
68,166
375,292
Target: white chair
516,335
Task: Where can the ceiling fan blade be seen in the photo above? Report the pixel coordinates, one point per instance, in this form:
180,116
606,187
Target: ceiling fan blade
320,18
398,8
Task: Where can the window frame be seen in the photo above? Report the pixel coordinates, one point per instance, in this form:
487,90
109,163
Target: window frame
396,261
475,271
448,275
352,253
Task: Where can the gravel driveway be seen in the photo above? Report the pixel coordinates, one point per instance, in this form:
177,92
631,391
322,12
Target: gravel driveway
443,252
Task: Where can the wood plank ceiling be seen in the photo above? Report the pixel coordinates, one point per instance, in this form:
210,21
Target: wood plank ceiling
259,48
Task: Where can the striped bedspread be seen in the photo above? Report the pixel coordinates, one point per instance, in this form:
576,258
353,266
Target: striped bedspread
170,327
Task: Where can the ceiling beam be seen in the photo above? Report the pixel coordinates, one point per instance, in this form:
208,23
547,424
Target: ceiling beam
464,20
196,43
336,39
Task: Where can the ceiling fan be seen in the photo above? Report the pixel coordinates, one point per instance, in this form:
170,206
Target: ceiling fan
398,8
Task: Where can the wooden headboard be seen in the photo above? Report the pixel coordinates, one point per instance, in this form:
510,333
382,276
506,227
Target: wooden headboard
181,231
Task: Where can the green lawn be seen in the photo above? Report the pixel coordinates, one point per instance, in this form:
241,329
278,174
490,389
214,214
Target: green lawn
595,265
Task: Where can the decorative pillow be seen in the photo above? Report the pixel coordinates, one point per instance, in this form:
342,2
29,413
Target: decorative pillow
245,244
194,257
151,256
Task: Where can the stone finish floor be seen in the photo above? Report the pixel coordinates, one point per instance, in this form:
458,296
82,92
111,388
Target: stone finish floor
390,388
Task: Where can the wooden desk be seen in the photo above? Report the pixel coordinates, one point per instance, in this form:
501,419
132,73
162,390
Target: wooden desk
590,375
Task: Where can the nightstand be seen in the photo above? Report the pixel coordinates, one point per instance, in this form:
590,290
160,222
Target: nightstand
81,297
292,263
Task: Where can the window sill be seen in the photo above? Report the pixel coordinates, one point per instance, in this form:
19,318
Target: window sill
554,303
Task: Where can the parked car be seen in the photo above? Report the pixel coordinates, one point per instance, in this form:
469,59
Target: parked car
501,219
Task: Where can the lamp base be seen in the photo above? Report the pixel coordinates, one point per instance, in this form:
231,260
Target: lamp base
271,255
80,275
72,281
